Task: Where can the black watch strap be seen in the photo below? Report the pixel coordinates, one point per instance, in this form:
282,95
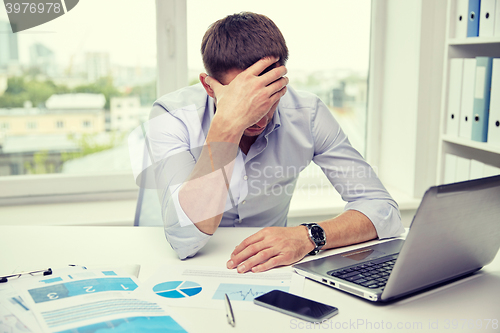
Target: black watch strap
317,236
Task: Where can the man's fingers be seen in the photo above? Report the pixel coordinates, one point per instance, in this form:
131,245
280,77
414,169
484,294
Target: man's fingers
238,256
260,257
249,251
261,65
274,74
277,85
277,96
257,237
271,263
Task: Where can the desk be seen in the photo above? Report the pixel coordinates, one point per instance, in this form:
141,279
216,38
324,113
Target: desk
473,298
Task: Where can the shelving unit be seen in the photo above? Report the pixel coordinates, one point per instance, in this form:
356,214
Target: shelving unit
463,48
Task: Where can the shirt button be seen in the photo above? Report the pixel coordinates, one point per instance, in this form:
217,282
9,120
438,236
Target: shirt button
245,177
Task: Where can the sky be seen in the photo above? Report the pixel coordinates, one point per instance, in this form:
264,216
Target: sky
320,34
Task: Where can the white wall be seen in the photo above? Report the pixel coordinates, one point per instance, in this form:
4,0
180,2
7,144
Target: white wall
399,98
405,95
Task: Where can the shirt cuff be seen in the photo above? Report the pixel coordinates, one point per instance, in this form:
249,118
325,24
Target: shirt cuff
184,237
385,217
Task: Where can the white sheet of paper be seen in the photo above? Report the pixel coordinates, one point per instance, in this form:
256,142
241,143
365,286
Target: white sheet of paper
95,299
204,286
11,322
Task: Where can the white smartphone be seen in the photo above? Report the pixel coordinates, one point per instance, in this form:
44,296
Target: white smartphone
296,306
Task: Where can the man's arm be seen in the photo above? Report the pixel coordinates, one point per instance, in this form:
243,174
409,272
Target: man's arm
370,212
278,246
240,104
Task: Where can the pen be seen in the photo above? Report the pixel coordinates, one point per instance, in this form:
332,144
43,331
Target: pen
229,312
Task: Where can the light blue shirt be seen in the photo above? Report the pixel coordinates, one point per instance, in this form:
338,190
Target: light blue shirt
262,183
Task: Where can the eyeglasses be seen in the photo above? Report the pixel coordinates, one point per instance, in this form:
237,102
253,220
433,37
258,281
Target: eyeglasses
43,272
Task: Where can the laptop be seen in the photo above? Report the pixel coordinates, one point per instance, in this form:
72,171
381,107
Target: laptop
455,232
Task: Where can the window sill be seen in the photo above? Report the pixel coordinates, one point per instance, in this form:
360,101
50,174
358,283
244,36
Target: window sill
97,213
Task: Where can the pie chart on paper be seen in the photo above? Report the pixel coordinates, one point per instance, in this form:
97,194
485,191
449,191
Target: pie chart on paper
177,289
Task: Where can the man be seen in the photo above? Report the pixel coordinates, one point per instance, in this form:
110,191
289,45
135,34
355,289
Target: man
229,152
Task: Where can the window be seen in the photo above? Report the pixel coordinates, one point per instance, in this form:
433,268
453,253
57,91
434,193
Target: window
120,51
60,79
4,126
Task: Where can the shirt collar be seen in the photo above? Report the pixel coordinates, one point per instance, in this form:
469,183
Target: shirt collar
274,124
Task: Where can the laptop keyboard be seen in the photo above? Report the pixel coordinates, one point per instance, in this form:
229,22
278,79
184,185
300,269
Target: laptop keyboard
372,274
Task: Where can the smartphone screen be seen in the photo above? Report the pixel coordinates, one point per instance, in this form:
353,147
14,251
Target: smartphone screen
296,306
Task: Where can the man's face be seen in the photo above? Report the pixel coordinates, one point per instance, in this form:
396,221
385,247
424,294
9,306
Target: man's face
260,126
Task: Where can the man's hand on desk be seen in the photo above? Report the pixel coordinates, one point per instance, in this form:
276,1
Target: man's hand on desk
279,246
271,247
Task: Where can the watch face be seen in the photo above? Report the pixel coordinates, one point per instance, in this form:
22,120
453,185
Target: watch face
317,234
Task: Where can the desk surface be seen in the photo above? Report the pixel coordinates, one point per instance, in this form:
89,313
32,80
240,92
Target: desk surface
470,301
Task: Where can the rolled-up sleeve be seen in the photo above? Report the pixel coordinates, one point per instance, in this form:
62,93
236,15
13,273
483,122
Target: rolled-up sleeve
184,237
173,163
352,176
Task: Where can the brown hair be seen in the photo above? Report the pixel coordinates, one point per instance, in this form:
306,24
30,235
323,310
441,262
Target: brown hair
240,40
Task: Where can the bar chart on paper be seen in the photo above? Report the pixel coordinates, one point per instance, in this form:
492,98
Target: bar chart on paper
244,292
82,287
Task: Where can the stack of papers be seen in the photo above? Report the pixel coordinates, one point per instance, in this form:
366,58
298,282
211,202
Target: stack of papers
75,299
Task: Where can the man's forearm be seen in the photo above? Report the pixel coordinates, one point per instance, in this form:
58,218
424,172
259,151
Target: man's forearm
203,195
348,228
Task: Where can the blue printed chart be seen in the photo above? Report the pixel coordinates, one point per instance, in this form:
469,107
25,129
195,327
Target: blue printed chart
132,324
83,287
243,292
177,289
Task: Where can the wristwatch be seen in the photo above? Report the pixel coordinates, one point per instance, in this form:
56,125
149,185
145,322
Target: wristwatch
317,235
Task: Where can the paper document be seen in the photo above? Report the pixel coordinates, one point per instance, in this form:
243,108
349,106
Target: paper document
15,313
90,301
204,287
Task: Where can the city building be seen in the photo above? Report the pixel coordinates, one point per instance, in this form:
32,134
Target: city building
125,77
43,58
47,132
65,114
97,65
3,83
9,53
126,113
18,154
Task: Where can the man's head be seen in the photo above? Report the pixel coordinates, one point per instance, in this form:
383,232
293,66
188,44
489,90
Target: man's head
240,40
